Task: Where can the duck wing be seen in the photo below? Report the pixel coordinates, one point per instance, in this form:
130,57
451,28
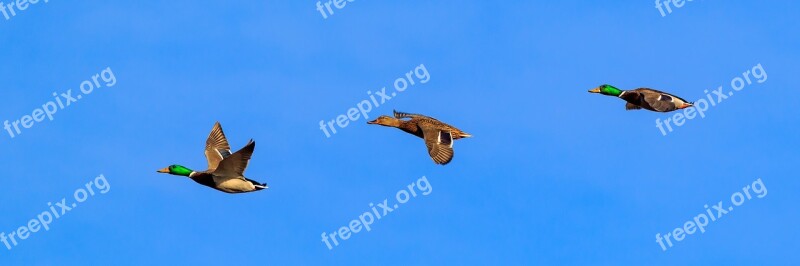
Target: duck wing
439,142
217,147
401,115
658,100
234,165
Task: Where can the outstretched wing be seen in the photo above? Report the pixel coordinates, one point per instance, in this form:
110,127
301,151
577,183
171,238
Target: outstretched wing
440,144
233,166
217,147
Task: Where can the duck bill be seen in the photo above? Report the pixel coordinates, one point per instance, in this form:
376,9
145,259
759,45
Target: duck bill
686,105
164,171
372,122
595,90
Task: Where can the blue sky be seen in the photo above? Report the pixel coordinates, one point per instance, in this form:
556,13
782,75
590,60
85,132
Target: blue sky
554,175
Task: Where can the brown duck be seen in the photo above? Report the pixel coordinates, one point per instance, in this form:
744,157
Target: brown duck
438,136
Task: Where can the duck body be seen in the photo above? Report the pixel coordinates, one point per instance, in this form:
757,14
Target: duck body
226,184
653,100
411,128
225,169
438,135
414,127
645,98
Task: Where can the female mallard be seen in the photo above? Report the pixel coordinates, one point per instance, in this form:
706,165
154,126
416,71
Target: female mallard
225,170
438,136
649,99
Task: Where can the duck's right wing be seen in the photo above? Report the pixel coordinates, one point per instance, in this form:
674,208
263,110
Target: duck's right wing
401,115
233,166
217,147
440,144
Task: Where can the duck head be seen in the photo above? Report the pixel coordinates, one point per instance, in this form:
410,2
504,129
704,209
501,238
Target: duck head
606,89
176,170
387,121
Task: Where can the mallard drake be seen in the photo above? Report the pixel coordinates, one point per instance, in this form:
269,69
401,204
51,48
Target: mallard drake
649,99
438,136
225,169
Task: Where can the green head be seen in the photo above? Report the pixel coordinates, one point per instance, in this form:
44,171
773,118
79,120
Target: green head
606,89
176,170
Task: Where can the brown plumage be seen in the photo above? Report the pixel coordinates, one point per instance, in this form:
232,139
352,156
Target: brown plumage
438,136
653,100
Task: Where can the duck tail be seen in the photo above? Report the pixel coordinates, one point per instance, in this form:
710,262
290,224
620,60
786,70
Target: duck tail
259,186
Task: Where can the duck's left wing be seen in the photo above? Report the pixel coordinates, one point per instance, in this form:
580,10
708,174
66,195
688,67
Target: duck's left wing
659,100
217,147
440,144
